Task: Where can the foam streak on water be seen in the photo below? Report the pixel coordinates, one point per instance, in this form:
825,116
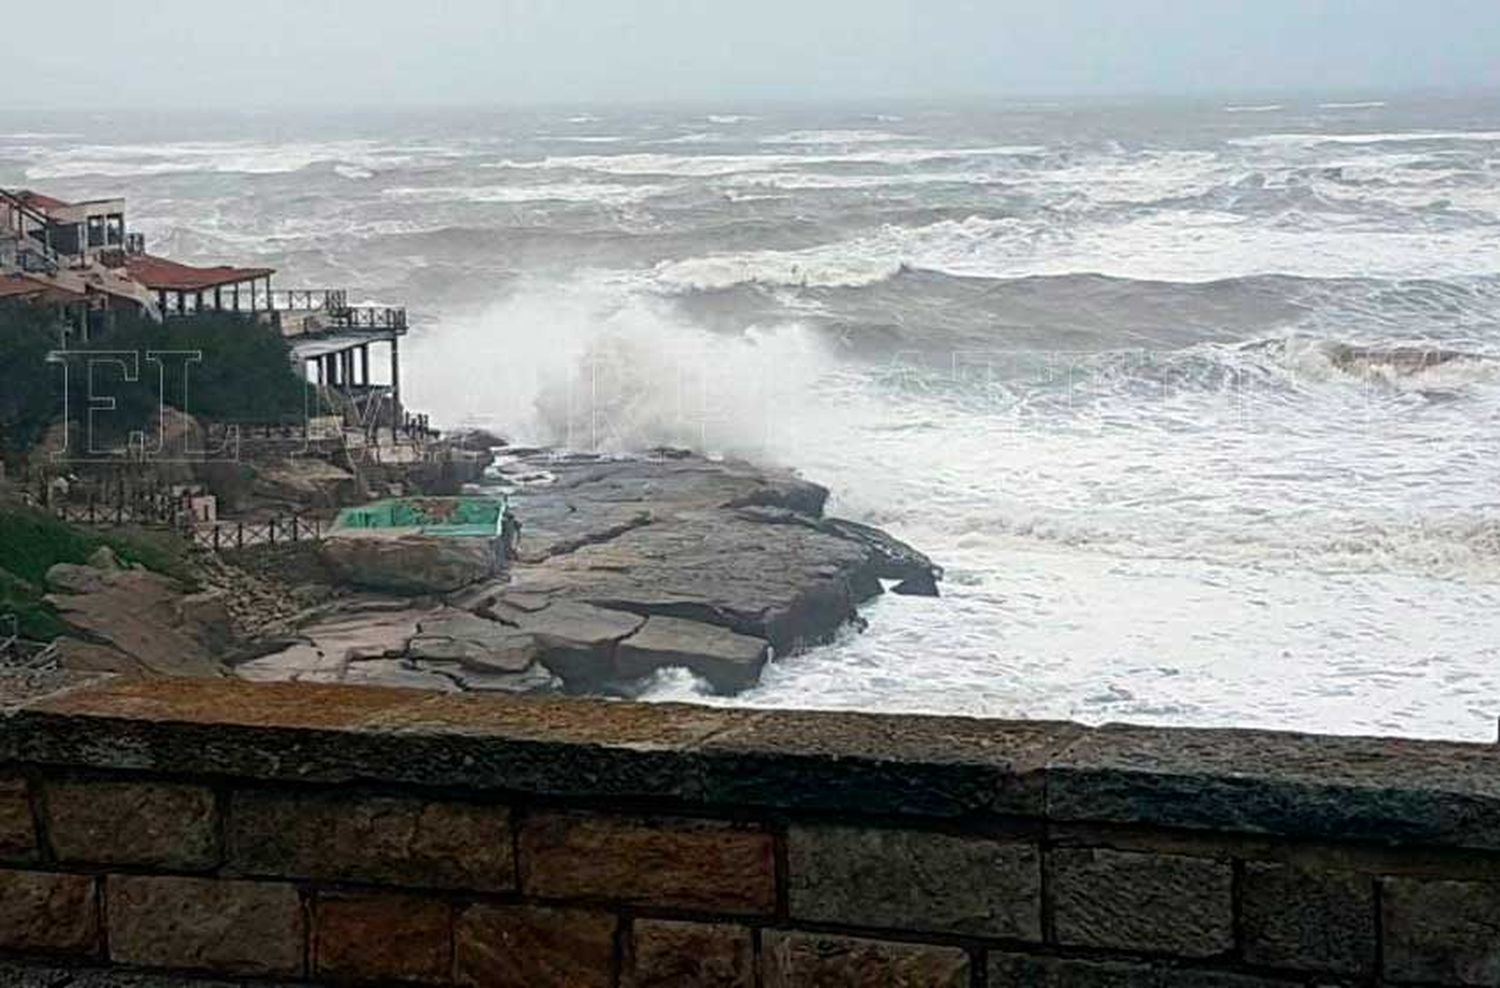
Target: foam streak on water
1199,408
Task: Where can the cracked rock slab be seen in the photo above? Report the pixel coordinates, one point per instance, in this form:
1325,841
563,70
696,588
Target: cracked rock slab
730,662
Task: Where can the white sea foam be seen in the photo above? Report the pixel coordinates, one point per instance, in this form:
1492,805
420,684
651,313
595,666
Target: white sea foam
131,160
1194,246
712,165
575,192
1261,108
579,364
1358,105
825,137
1395,137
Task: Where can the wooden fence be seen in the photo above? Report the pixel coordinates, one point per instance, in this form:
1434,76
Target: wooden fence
220,536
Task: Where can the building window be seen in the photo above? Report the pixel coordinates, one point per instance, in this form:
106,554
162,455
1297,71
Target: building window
114,229
96,231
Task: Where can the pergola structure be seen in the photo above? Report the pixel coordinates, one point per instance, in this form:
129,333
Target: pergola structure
340,361
182,289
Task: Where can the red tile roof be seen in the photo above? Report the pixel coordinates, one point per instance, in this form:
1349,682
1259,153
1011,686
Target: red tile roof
160,273
38,201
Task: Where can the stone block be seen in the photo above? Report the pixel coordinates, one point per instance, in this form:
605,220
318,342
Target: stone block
42,911
1441,931
133,823
907,879
227,927
729,661
1308,920
811,960
530,947
1026,971
393,841
1124,900
682,864
667,954
17,834
383,938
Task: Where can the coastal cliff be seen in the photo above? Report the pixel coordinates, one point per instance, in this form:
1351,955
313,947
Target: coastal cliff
625,566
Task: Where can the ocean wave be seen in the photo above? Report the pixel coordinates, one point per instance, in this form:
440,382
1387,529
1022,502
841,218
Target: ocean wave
568,192
714,165
145,160
1262,108
1374,104
816,137
1185,245
1395,137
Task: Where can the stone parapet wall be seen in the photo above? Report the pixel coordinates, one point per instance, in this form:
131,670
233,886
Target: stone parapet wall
198,832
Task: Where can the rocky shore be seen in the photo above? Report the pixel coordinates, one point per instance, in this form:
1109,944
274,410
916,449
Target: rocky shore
625,566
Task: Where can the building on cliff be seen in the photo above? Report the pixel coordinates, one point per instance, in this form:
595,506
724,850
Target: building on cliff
81,259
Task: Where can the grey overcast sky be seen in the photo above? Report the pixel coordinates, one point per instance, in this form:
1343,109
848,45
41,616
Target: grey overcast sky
272,53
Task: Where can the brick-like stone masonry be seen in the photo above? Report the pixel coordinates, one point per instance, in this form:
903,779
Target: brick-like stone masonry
121,864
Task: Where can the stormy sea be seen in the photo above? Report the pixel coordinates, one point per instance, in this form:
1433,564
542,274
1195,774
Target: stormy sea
1198,405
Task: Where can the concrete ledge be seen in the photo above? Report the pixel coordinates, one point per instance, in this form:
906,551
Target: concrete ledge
1245,782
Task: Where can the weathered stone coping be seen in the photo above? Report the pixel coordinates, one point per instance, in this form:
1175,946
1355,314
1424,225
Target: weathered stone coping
727,761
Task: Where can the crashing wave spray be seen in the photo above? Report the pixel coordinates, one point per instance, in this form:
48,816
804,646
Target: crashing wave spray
589,365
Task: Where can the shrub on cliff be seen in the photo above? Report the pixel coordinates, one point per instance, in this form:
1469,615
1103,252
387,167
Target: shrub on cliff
245,374
30,398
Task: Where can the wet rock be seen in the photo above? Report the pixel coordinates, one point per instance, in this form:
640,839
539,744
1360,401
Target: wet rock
137,613
729,662
75,579
452,635
406,563
576,640
104,558
299,483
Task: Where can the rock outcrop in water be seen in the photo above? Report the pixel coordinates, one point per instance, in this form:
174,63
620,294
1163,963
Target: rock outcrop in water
625,566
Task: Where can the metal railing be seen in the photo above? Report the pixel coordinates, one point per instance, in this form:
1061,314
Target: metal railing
372,317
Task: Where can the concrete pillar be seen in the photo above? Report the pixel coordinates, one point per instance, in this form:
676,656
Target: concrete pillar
395,387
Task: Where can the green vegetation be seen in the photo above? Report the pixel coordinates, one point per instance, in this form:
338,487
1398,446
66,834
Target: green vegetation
30,390
32,542
245,374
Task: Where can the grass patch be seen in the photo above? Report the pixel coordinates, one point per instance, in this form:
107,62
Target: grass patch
32,542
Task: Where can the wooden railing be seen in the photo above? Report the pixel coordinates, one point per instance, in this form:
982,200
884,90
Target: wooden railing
220,536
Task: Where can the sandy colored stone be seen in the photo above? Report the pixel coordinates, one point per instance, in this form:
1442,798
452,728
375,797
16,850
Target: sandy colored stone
138,613
533,947
17,833
228,927
811,960
383,937
41,911
373,839
666,954
668,863
133,823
